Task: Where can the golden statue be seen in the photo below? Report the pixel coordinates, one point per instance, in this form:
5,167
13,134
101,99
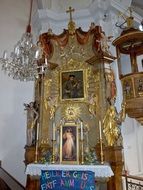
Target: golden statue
110,127
111,123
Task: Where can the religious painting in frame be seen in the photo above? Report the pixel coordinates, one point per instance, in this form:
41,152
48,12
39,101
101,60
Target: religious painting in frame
72,85
128,88
69,144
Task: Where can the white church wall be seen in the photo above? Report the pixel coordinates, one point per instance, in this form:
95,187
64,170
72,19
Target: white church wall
130,144
133,146
13,20
140,149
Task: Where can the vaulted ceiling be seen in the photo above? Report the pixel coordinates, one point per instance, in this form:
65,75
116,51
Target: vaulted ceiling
61,5
58,7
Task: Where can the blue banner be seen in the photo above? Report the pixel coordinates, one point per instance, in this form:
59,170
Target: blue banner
63,180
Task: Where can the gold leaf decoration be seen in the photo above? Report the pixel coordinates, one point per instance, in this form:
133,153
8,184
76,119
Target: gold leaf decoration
71,111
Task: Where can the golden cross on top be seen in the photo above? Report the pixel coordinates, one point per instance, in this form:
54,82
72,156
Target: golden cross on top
70,10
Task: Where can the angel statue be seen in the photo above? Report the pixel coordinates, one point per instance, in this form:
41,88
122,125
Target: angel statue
122,113
104,42
53,104
92,104
111,121
32,117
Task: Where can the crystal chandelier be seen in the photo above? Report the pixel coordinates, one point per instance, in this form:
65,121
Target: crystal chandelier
22,63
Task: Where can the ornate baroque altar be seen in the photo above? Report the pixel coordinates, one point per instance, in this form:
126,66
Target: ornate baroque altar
73,119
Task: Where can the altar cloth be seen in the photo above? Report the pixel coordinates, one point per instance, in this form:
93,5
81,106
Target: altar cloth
100,171
63,180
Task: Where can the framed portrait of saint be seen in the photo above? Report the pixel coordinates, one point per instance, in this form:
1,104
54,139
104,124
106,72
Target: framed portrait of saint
72,85
128,88
69,145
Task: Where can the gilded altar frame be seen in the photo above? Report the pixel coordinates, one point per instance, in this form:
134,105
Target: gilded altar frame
69,144
78,90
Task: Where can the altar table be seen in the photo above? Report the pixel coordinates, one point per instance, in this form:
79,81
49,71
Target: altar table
101,171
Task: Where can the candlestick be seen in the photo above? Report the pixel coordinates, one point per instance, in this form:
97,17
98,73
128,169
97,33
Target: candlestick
37,135
54,131
36,149
53,152
81,130
87,143
46,61
101,143
82,152
42,69
100,131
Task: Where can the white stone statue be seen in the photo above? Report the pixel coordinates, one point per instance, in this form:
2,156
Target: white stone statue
32,117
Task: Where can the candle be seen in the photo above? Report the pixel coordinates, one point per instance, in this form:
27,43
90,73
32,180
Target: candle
37,54
42,69
46,61
54,131
81,132
37,136
100,132
5,54
110,125
87,145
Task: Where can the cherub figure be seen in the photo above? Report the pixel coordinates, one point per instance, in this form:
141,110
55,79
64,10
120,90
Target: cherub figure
104,42
92,104
53,104
32,117
122,113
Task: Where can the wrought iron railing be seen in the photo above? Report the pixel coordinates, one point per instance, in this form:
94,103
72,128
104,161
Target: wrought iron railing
133,182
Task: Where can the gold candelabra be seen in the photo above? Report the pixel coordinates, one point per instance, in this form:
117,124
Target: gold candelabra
82,151
53,152
101,144
37,141
36,152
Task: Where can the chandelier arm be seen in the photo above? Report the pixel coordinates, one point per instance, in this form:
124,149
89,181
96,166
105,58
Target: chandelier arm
28,29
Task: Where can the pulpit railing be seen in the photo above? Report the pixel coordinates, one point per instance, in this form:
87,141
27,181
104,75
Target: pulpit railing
133,182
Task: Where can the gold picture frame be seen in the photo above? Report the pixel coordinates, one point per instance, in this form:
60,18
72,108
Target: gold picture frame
128,88
69,144
72,85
